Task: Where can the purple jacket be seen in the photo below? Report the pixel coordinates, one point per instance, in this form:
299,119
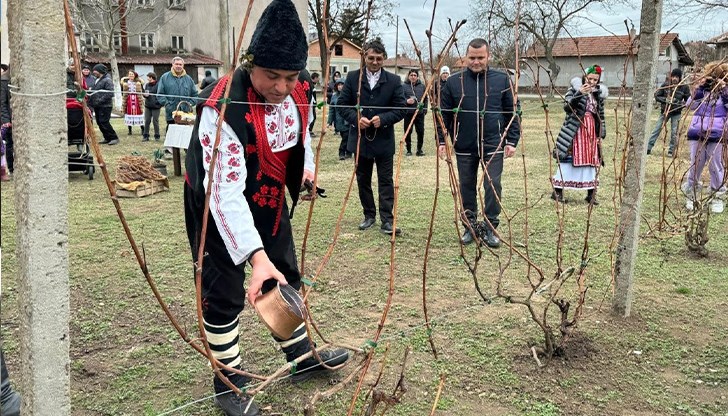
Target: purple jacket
709,120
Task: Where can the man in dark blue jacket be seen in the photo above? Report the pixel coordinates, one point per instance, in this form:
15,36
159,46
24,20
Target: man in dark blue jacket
382,106
479,112
103,103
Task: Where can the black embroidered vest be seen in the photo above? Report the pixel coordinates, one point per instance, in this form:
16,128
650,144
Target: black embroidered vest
267,176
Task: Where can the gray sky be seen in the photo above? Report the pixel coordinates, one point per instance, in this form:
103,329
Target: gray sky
419,12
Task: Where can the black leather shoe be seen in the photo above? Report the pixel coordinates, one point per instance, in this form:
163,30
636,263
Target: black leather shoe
234,405
311,366
409,153
591,200
557,196
491,240
387,229
367,223
420,153
467,238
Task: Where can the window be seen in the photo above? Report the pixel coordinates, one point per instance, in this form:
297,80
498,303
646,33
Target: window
345,68
178,44
145,3
176,4
338,50
117,42
146,43
91,42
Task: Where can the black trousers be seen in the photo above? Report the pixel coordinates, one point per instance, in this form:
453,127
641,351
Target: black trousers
9,153
344,140
223,291
419,127
103,119
364,170
468,174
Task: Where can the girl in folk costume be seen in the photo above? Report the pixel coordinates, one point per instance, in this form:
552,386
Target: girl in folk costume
133,101
578,146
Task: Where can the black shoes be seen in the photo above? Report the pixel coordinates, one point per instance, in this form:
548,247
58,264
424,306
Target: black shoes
311,366
342,156
113,142
420,152
557,196
233,405
491,240
367,223
409,153
145,138
467,237
592,200
387,229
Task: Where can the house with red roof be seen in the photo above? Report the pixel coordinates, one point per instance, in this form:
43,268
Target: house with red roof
617,55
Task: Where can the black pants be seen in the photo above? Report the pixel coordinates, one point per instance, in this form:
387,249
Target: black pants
344,140
103,119
419,127
385,165
9,156
468,175
223,290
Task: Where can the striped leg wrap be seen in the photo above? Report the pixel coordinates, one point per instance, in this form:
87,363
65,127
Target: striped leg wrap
296,345
223,340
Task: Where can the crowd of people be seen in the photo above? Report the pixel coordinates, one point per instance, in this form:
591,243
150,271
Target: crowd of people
265,149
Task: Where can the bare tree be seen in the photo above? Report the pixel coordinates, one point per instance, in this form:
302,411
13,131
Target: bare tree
105,22
544,20
344,20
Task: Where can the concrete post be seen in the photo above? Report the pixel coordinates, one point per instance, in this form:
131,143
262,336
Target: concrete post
634,178
37,65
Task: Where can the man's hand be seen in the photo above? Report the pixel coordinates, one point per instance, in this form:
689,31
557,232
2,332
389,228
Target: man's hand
509,151
364,123
376,121
410,101
263,270
441,151
307,175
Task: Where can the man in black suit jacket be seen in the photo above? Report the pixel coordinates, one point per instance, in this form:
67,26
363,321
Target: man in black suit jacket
382,106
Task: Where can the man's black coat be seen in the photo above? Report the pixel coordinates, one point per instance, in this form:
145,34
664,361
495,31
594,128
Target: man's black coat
387,93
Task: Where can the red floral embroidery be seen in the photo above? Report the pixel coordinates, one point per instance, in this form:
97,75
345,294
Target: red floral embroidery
273,128
234,148
205,140
233,177
267,196
234,162
208,158
289,120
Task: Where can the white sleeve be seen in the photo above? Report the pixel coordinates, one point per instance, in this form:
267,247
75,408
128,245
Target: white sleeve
228,205
308,161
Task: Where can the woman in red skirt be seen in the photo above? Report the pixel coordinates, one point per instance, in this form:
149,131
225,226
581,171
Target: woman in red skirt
578,145
133,101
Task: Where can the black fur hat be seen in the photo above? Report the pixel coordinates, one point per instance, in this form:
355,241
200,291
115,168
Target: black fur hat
279,41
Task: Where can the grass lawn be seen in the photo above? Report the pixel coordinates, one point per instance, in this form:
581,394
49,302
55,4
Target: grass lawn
669,358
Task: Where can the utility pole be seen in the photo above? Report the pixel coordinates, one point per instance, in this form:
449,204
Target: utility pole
634,177
37,38
396,47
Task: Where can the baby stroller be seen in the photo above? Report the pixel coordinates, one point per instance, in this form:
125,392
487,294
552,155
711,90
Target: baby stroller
80,158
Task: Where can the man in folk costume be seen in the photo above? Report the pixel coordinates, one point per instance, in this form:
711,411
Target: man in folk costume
578,145
264,149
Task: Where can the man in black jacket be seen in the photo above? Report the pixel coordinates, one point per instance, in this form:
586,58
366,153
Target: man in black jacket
102,102
480,115
382,106
414,89
672,97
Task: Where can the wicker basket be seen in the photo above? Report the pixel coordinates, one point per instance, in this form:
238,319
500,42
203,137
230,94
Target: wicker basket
184,118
